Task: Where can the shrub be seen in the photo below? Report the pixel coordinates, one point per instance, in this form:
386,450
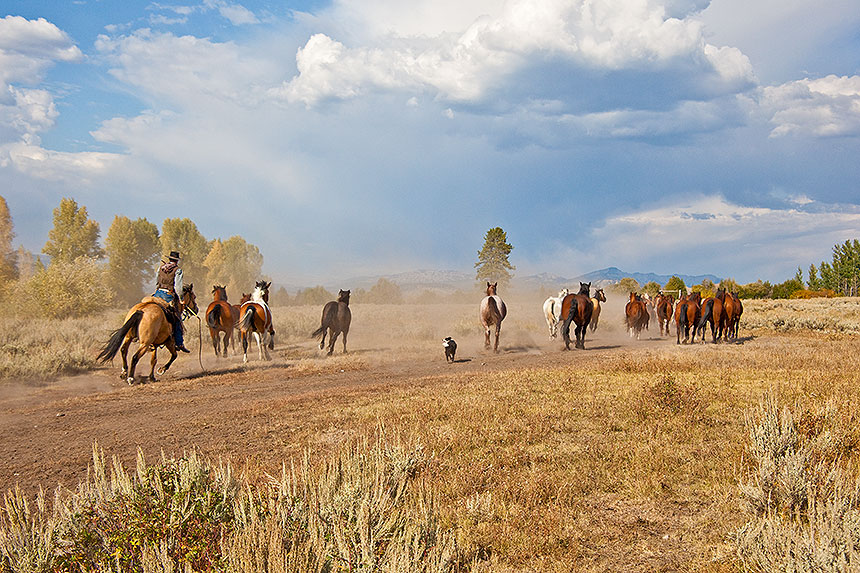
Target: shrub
801,500
78,288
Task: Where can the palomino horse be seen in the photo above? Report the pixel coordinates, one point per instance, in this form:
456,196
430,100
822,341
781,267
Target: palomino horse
336,318
220,318
577,308
687,313
257,320
552,312
146,322
493,312
713,313
595,301
664,311
636,315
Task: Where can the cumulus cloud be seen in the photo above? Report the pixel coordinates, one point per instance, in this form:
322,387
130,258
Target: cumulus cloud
50,165
496,48
828,106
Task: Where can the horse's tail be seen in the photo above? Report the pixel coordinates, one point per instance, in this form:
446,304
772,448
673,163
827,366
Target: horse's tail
213,317
682,316
571,313
707,313
117,336
248,319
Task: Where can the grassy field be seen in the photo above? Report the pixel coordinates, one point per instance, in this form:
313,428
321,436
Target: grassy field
634,458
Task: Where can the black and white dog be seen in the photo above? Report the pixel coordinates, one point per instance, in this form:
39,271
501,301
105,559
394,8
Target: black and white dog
450,348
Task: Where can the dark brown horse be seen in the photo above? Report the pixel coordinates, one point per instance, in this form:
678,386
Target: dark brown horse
220,318
598,297
687,313
336,318
577,309
257,320
636,315
493,312
150,323
665,310
736,320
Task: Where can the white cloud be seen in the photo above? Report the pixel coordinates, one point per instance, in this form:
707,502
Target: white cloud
828,106
467,63
49,165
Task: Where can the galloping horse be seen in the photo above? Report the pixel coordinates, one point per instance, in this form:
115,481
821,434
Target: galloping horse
493,312
687,314
335,320
257,319
664,311
713,313
730,309
148,323
636,315
552,312
595,313
577,308
220,318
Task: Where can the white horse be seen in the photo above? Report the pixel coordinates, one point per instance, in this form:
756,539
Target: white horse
552,312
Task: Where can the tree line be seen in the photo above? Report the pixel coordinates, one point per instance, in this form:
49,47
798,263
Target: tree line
81,276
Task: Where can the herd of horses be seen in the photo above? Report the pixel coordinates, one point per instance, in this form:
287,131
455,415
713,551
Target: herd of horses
150,322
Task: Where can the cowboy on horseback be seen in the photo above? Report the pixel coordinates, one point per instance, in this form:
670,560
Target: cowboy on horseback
168,283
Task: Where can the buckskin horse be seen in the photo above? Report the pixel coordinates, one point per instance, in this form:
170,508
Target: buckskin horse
636,315
220,318
577,309
257,320
493,312
664,311
148,323
335,320
595,313
687,313
552,312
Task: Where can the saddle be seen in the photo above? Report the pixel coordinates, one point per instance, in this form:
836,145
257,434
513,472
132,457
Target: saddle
169,311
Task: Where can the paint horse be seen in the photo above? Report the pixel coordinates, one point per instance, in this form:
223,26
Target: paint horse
493,312
552,312
577,309
257,321
220,317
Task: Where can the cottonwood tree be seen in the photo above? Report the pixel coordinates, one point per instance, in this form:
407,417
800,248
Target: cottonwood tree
8,255
234,263
493,264
182,235
627,285
133,252
74,234
383,292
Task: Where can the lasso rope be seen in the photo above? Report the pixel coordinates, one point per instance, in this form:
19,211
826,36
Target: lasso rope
187,312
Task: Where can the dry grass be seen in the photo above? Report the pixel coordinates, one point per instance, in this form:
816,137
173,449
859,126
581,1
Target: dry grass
630,459
828,315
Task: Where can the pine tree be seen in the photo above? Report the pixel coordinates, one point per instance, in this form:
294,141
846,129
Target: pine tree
814,282
676,287
74,234
493,264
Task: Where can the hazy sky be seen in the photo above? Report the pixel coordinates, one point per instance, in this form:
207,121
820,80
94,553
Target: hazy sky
360,137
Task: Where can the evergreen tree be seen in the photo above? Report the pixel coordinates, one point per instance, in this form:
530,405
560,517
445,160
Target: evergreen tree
74,234
493,265
133,253
814,282
676,287
8,255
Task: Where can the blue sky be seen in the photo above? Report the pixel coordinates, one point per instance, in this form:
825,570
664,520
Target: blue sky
369,137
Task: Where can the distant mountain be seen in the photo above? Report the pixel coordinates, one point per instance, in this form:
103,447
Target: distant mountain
607,276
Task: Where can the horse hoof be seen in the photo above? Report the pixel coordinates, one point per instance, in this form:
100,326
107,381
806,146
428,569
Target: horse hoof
130,381
160,371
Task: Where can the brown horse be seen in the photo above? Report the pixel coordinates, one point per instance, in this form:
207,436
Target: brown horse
664,311
336,318
730,309
687,313
220,318
493,312
736,320
713,313
257,320
577,309
595,302
149,323
636,315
